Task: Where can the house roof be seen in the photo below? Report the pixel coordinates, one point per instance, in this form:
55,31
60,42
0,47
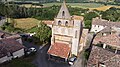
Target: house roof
5,34
100,55
9,45
112,39
49,22
15,36
65,10
78,17
108,29
2,51
59,49
97,21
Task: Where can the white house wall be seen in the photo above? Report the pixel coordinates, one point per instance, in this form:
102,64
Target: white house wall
18,53
74,49
19,40
3,59
97,28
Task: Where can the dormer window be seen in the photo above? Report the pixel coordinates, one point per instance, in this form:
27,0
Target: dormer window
63,13
59,22
66,23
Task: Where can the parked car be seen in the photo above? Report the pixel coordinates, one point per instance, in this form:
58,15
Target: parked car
32,49
72,60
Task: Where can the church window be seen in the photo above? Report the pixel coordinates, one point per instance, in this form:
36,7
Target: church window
75,34
59,22
66,23
63,13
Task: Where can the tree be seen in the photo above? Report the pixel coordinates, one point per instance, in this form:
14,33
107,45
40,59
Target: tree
43,32
111,14
88,24
90,15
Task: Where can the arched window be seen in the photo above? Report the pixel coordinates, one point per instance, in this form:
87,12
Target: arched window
59,22
63,13
66,23
75,34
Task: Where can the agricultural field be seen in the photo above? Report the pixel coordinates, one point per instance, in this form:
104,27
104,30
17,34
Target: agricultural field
25,23
80,5
90,6
103,8
30,5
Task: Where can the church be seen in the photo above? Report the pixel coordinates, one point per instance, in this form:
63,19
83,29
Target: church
66,35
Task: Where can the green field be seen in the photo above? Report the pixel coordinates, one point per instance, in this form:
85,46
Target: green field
80,5
97,6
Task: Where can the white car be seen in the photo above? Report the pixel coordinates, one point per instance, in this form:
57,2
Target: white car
32,49
72,60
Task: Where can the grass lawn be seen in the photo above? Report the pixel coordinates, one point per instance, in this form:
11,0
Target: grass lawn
26,23
20,62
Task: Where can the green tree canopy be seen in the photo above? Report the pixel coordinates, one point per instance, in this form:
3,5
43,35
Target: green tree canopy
90,15
43,32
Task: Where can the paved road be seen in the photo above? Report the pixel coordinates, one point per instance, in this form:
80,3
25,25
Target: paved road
29,45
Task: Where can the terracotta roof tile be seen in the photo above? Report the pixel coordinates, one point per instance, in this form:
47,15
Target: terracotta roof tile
59,49
14,36
97,21
48,22
108,29
9,45
99,54
113,40
78,17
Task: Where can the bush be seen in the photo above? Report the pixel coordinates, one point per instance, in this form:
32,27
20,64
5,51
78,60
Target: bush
86,55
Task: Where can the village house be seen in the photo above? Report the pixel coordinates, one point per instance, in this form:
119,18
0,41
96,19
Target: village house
100,57
66,35
99,24
10,47
110,42
107,31
106,44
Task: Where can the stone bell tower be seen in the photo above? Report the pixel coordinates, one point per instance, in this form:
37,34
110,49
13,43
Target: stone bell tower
66,32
